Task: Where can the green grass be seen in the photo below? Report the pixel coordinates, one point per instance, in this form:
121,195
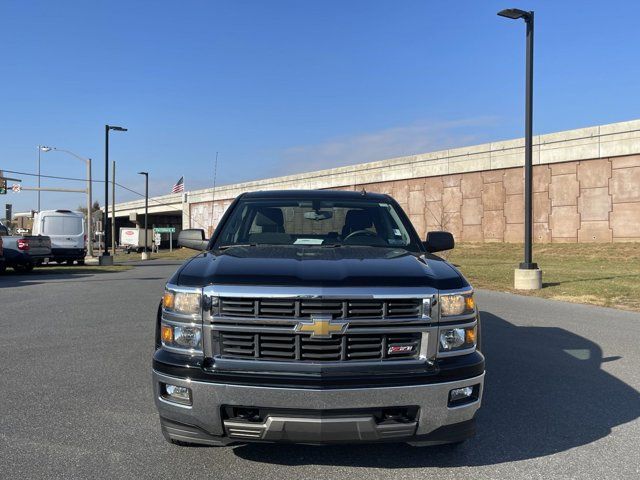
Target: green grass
78,269
605,274
176,254
599,274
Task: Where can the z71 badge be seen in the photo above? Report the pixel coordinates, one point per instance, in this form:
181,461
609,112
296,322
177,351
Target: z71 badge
400,349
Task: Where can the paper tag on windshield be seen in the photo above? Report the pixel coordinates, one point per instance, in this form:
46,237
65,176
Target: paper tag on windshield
308,241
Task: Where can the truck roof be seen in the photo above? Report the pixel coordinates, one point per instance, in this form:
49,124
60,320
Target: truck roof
328,194
59,212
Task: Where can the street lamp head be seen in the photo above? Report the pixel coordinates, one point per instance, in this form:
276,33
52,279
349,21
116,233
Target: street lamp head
117,129
44,148
143,173
515,14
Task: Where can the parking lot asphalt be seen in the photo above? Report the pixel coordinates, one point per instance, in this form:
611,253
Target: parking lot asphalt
561,394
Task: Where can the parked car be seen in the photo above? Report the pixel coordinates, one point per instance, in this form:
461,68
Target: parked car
67,232
317,317
23,252
4,231
133,239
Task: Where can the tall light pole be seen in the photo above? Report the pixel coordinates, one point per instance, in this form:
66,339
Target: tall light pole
105,258
113,206
87,162
41,148
145,255
528,276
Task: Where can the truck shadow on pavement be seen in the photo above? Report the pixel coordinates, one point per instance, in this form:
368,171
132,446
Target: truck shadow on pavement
31,279
544,393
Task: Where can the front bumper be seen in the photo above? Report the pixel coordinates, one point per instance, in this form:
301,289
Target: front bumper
316,416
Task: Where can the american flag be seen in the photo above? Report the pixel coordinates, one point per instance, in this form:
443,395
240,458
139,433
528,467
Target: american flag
179,186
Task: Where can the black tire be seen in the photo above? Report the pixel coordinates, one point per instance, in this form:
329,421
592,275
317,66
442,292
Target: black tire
24,268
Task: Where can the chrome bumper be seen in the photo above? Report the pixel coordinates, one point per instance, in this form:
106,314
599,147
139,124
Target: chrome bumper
203,421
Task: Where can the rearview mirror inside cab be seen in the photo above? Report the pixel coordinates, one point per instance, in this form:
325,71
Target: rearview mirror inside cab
193,238
439,241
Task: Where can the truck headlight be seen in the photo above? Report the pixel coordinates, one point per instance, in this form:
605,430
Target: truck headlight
456,304
185,337
457,338
182,302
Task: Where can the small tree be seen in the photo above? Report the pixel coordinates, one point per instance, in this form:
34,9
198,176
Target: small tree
96,214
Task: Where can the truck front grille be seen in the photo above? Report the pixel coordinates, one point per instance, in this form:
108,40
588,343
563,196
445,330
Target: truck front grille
345,309
299,347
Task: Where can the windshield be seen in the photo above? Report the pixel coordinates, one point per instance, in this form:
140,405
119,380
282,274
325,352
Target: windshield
318,222
61,225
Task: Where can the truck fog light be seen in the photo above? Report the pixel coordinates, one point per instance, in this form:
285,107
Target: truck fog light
459,396
187,303
167,334
176,394
456,304
452,338
461,338
187,336
184,337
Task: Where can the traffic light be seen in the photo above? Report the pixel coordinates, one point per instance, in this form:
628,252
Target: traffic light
3,184
8,210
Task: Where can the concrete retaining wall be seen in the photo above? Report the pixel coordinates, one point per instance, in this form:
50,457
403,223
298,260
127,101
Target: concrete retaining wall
586,188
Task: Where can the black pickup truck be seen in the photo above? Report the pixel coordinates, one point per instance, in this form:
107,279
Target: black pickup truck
317,317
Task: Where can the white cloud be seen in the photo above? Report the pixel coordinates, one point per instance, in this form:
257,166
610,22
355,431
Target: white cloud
388,143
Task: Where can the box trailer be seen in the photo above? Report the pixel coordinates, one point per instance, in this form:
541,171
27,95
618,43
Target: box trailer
133,239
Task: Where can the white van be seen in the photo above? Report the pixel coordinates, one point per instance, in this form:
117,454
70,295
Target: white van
67,232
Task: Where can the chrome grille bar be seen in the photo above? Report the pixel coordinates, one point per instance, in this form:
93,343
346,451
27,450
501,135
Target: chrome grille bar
304,308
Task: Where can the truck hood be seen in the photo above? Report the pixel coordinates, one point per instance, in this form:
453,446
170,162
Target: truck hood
347,266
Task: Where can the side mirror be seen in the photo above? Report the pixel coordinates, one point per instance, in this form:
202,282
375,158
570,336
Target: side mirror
439,241
193,238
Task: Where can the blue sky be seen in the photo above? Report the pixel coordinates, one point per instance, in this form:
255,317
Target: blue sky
285,86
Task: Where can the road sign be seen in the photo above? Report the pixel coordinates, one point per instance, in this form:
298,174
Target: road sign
16,187
165,230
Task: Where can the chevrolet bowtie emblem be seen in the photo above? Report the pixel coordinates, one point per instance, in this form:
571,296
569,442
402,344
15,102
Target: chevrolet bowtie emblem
321,326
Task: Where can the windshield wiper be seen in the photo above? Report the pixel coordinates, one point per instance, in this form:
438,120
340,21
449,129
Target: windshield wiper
225,247
331,245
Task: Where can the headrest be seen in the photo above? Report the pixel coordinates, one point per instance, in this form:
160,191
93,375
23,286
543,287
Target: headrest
269,217
358,220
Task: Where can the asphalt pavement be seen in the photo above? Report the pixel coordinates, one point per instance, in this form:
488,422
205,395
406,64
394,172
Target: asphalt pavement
561,394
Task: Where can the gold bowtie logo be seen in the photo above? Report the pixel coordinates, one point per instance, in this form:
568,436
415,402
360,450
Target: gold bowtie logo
321,326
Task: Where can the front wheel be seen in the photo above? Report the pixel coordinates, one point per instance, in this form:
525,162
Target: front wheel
24,268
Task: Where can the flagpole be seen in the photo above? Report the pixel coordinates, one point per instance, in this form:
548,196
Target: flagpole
184,193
